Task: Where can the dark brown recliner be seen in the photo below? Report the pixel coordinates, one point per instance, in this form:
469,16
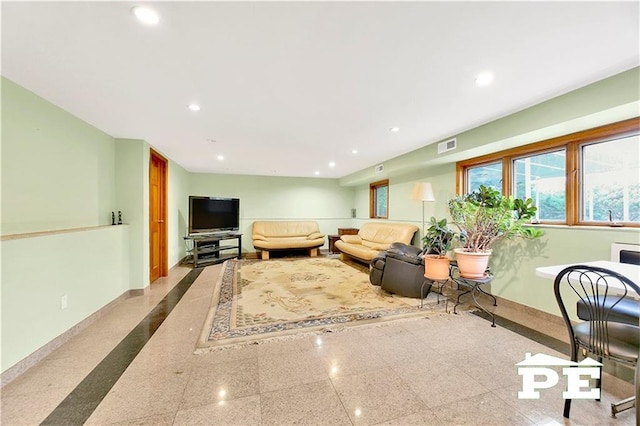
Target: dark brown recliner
400,270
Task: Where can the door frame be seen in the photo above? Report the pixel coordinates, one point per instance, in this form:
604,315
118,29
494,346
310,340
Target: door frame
163,267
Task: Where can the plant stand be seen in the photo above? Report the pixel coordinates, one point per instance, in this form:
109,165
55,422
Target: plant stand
474,285
439,284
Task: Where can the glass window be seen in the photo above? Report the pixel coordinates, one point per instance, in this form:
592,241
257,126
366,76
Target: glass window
489,175
589,177
542,178
611,181
379,199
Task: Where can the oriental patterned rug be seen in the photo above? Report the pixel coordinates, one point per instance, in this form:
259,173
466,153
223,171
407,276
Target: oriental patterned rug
256,300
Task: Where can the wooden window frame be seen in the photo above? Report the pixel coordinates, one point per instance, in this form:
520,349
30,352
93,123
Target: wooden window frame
373,187
572,143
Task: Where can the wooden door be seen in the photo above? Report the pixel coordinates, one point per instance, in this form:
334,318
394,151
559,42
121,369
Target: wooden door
157,217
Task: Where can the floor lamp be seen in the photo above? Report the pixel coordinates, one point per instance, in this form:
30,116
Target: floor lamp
422,191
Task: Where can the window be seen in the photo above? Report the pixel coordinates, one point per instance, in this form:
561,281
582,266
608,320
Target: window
489,175
610,177
585,178
379,199
542,178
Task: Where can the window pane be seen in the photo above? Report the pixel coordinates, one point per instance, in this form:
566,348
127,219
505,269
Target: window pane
611,180
542,178
489,175
381,201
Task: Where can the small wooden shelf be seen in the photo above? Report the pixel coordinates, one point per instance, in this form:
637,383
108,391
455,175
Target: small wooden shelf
348,231
332,243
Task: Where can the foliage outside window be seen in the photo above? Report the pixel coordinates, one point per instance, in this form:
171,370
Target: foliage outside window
542,178
610,178
590,177
489,175
379,199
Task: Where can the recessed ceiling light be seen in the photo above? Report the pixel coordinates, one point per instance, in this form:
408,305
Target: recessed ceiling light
394,129
354,151
332,164
317,173
146,15
484,79
194,107
220,157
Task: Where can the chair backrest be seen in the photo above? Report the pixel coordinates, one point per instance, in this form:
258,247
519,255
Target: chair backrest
601,292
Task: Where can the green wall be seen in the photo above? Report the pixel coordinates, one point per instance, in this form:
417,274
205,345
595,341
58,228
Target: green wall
279,198
177,212
514,263
132,183
57,171
90,267
607,101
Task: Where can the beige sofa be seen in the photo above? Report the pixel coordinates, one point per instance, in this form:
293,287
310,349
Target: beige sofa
284,235
374,237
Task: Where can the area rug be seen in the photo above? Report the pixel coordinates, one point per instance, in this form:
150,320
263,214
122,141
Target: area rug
255,300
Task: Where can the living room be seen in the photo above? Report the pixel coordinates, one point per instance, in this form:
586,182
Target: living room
118,180
60,173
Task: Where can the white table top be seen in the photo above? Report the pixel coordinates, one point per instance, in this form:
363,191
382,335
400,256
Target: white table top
626,269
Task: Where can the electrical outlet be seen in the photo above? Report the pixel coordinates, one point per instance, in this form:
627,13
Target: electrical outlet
63,302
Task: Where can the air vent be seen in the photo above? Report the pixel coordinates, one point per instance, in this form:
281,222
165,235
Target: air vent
379,168
447,146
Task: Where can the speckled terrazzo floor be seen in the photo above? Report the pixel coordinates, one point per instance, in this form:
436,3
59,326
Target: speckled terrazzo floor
447,369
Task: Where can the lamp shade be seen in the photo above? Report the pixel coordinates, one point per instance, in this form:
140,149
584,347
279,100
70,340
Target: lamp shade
422,191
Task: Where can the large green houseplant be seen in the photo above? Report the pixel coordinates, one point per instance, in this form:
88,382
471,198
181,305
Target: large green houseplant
485,217
437,241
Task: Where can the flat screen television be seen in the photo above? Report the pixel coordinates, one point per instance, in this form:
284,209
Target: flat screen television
213,215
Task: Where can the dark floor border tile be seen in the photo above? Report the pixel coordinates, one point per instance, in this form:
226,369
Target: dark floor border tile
610,367
78,406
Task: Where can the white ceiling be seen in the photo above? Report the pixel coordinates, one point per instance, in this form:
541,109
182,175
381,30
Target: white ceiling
286,88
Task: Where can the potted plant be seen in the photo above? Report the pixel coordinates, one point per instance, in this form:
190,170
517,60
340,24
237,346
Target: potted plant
485,217
437,241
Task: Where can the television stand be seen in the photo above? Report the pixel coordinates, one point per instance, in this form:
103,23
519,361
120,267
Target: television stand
207,249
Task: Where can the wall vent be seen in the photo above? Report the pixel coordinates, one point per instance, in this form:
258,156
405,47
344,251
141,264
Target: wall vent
447,146
379,168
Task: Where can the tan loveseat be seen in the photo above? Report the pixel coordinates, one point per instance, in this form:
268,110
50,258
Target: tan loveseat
284,235
374,237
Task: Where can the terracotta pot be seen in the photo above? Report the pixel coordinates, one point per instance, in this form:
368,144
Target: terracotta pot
436,268
472,265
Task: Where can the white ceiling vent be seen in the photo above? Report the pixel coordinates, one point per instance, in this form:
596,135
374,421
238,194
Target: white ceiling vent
447,146
379,168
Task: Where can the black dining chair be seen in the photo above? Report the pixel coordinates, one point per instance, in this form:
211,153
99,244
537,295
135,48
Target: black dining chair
599,293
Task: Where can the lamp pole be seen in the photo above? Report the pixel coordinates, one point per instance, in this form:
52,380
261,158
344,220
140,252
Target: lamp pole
422,218
424,192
